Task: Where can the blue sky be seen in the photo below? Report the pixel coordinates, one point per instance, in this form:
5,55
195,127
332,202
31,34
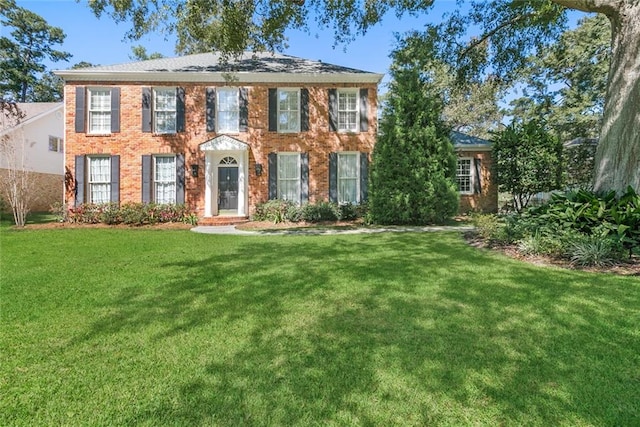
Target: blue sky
102,41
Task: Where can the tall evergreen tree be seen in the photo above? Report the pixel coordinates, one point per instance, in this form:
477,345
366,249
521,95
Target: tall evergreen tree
22,55
413,170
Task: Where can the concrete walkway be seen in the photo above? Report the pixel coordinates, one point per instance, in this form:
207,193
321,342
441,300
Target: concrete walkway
231,229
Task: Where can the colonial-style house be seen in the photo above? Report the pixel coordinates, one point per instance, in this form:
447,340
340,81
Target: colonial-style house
478,189
219,136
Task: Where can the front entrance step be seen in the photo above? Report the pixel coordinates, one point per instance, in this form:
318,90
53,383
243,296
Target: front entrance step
223,220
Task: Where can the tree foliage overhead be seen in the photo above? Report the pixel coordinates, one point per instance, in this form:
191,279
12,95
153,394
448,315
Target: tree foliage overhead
566,84
510,32
22,55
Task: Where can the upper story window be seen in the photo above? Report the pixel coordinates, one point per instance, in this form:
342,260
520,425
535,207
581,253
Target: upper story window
99,110
228,108
348,110
164,110
55,144
464,176
288,110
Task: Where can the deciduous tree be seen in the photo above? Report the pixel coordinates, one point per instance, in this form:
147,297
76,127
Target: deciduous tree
510,31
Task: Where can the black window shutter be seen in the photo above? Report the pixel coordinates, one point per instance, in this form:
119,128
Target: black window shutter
273,176
364,177
304,110
273,110
180,179
333,177
477,183
211,109
115,109
333,110
146,109
180,119
364,110
80,109
244,109
147,170
304,178
115,179
81,161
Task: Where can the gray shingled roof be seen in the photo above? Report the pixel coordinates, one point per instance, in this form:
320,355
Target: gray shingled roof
461,140
211,62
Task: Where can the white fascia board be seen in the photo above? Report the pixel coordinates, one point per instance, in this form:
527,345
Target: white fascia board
193,77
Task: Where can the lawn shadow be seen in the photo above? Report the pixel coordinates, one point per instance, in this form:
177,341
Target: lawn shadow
367,329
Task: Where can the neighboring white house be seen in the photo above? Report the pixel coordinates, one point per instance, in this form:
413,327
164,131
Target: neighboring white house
37,146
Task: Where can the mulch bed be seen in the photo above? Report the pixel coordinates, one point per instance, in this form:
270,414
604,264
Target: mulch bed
628,268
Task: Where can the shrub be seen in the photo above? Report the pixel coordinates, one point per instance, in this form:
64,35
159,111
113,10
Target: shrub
320,211
348,211
277,211
594,251
128,213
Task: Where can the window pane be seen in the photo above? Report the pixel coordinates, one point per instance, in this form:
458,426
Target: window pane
228,110
165,110
165,179
348,169
289,177
288,111
348,111
99,179
99,111
463,175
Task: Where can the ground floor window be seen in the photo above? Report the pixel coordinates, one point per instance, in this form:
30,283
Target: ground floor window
348,177
99,178
289,176
464,176
164,179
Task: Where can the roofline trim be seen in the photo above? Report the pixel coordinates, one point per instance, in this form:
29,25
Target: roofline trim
218,77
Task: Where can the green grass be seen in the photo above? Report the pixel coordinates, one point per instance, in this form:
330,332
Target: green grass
163,328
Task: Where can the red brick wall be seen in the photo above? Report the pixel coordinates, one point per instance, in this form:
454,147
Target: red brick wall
131,143
487,200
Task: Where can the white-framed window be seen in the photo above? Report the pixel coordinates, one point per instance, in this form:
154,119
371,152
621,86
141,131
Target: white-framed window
99,179
99,110
348,111
55,144
228,110
164,179
464,175
164,110
348,177
288,110
289,176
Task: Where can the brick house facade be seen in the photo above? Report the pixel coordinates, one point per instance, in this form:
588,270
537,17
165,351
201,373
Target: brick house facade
478,189
221,138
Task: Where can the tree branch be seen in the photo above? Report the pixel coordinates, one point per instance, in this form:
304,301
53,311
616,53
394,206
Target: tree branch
607,7
476,42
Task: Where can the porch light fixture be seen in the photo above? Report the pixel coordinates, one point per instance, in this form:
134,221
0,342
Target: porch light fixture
194,170
258,169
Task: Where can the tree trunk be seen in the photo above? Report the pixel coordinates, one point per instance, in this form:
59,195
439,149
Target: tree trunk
618,154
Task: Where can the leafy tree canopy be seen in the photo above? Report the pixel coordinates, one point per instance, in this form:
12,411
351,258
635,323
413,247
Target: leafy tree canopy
22,55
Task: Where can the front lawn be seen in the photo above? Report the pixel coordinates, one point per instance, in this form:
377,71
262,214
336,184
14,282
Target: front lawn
169,327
